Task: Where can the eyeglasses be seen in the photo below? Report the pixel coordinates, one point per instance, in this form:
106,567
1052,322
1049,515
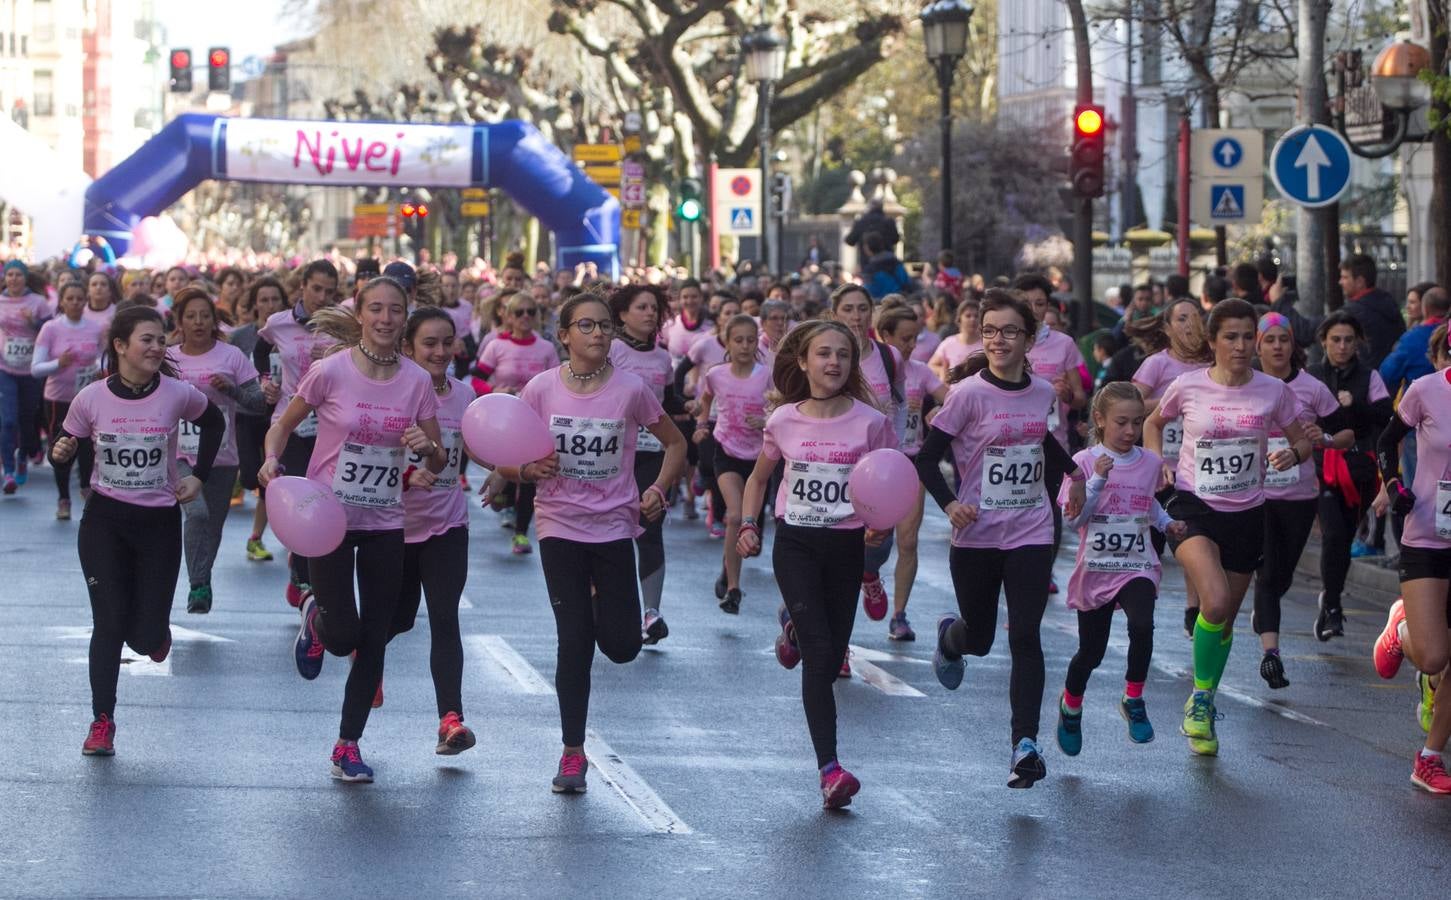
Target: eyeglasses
587,326
1010,332
527,311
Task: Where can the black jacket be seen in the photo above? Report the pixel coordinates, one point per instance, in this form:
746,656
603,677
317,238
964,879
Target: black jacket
1380,316
874,220
1301,326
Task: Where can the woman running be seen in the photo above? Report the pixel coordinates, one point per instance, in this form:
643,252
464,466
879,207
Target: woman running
130,535
68,357
1117,565
263,299
102,295
1292,496
775,322
229,380
733,396
1228,412
826,421
372,407
1002,540
708,350
927,340
637,311
21,315
1417,627
436,527
589,509
956,348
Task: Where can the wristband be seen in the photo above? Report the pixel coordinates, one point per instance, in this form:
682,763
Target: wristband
749,526
656,489
271,457
1327,440
1078,476
748,520
1296,450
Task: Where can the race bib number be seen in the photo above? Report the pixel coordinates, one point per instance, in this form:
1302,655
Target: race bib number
452,443
274,366
307,427
912,432
1443,510
1227,465
369,476
647,442
1117,544
817,495
87,374
1012,477
1173,439
1054,420
1274,477
189,438
18,351
589,449
132,462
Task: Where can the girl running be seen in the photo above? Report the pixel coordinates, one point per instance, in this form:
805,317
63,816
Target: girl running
1117,565
21,315
1229,411
68,357
1002,540
827,419
707,351
589,509
956,348
130,535
734,397
263,299
371,408
102,295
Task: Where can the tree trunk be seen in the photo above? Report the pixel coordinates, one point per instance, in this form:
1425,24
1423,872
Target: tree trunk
1311,224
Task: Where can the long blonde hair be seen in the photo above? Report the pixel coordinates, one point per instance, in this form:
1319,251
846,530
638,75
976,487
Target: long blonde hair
343,325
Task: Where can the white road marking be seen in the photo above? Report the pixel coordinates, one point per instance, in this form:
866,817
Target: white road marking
179,635
498,651
878,677
464,602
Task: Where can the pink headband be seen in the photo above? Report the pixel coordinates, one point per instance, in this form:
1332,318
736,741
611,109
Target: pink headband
1271,320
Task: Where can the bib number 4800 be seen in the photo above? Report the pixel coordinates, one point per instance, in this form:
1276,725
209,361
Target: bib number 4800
813,490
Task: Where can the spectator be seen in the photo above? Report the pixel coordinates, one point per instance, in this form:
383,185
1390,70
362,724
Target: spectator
1378,313
1245,284
1414,296
1177,287
1408,361
1280,296
874,220
1215,289
883,272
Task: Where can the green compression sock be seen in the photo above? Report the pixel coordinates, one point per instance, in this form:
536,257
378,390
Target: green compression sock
1222,658
1208,639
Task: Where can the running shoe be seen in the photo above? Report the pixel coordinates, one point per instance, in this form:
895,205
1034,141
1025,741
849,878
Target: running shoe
1052,585
1137,715
307,650
101,738
11,485
697,486
1198,726
570,779
507,519
199,599
160,654
948,671
520,545
348,764
237,494
1028,767
732,602
721,585
1426,706
788,654
1329,621
296,590
378,694
1388,653
1429,773
63,510
1359,549
874,597
22,471
1272,670
454,737
899,629
717,530
1070,729
257,551
845,671
691,513
1191,616
463,483
653,629
838,786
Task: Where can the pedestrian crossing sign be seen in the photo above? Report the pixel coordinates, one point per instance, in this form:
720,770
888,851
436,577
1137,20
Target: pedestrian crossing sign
741,219
1226,202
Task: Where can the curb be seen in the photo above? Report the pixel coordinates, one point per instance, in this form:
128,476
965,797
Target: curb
1384,584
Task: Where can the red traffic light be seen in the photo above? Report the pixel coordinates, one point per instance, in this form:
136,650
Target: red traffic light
407,209
219,58
181,59
1088,120
422,211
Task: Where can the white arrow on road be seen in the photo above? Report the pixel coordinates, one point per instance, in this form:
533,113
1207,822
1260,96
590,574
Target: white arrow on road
1312,159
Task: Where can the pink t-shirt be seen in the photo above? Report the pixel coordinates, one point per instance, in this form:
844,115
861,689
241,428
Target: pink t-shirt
1052,354
102,318
444,507
921,382
736,400
1377,391
510,363
294,345
678,338
1113,542
1426,407
18,333
927,343
83,340
593,500
225,360
953,351
651,366
876,375
463,316
998,445
1313,401
1225,434
360,424
135,439
819,455
706,352
1159,369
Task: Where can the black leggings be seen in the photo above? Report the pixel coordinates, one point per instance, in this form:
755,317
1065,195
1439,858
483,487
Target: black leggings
609,618
521,499
706,468
979,575
1137,600
295,458
130,556
1338,523
651,542
818,571
437,569
360,624
55,413
1287,527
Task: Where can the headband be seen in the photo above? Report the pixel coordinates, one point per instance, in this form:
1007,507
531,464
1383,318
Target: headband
1272,320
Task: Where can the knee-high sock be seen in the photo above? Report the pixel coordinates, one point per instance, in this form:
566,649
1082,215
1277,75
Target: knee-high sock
1208,664
1225,642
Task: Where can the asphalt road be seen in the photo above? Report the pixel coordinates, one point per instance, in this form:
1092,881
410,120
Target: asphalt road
702,783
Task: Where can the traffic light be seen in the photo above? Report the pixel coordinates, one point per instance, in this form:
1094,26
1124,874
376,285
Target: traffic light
1086,163
181,71
219,70
688,205
781,194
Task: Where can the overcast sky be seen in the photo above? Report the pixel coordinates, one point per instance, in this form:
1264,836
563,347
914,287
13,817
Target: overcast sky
251,28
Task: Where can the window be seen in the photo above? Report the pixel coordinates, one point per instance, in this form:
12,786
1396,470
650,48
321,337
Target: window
44,92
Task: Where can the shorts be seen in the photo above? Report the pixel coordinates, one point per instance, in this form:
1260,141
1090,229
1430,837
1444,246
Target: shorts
724,463
1240,536
1418,562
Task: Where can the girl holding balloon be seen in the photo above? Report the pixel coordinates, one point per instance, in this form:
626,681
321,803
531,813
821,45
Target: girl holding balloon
588,508
373,407
826,421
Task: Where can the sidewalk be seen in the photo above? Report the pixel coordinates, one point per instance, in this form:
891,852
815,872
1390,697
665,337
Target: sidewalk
1366,576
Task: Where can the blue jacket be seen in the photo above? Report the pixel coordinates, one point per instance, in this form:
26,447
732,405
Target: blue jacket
1407,360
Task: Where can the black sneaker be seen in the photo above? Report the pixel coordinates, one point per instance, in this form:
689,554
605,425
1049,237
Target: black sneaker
1191,615
1273,671
721,585
1028,766
731,603
1329,621
654,630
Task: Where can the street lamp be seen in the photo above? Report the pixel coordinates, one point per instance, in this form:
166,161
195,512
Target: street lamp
944,32
765,64
1395,78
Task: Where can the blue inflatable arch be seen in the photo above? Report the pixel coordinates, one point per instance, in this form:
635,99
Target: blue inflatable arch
511,156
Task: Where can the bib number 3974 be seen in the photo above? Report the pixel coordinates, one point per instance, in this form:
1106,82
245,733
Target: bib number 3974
132,462
1226,465
1117,544
589,449
817,494
369,476
1012,477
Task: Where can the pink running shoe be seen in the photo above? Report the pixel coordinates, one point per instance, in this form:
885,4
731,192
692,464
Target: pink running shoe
845,666
1388,653
874,597
1429,773
838,786
160,653
787,653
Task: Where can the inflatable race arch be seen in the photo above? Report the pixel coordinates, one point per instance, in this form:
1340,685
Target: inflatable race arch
511,156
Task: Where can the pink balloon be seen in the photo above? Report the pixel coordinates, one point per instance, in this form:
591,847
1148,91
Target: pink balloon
883,488
305,516
503,430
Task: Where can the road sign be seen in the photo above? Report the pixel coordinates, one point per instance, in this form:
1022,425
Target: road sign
603,174
1227,167
372,220
633,121
630,219
742,219
597,153
632,193
474,209
736,201
1311,165
475,194
1227,201
632,143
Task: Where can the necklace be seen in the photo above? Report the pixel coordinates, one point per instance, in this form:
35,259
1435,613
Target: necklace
378,360
133,388
441,389
588,376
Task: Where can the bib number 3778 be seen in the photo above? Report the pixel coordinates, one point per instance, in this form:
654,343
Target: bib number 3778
369,476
